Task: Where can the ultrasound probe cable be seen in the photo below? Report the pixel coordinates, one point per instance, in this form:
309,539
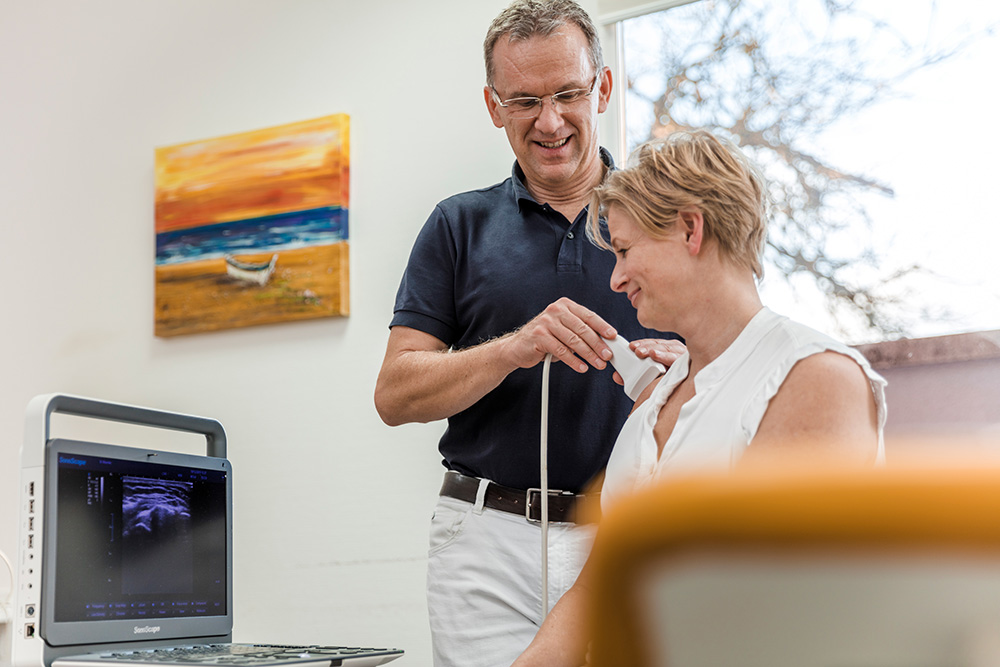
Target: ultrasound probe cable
636,375
543,456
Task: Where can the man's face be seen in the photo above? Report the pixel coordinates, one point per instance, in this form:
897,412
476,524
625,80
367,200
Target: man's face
558,148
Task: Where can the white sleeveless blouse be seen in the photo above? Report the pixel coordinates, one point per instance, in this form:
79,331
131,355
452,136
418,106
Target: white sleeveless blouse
732,393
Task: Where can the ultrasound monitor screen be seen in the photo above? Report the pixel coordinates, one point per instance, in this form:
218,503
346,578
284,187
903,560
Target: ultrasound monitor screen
138,539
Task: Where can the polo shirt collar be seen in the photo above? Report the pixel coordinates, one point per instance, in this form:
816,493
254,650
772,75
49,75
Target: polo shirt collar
521,190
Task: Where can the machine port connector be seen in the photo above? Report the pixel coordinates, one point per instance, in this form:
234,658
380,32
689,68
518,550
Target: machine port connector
29,611
31,541
29,630
31,488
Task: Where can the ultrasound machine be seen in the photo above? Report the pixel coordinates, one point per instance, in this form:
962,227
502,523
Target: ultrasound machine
125,554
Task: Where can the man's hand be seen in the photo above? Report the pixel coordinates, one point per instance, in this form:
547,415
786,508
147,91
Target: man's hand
567,331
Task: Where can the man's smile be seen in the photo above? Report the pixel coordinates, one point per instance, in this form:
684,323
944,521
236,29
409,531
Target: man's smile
553,144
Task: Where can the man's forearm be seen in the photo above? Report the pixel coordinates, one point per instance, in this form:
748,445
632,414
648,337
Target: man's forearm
427,385
421,381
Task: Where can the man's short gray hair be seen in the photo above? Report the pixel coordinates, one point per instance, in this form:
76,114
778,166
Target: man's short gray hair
524,19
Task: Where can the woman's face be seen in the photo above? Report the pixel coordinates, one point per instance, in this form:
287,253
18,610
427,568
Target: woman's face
650,271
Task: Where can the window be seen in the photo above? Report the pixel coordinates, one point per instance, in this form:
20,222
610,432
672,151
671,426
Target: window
873,121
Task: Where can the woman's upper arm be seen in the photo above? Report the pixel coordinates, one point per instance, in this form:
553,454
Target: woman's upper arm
825,406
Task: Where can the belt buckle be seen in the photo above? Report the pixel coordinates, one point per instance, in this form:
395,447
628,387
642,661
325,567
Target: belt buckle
538,492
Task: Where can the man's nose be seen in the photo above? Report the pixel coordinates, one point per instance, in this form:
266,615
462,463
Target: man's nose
550,115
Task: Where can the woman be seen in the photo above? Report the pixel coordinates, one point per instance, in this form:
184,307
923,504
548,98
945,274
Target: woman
687,222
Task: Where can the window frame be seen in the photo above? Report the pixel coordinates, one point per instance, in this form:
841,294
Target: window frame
612,124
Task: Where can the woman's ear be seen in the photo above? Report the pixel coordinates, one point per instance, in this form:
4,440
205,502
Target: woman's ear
693,225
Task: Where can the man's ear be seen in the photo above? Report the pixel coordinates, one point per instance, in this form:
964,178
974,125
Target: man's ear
492,106
693,225
604,90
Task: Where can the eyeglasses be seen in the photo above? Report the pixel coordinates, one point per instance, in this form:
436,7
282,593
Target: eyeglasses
530,107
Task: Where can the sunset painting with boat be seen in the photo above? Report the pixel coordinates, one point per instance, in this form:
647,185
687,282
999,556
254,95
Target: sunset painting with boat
251,228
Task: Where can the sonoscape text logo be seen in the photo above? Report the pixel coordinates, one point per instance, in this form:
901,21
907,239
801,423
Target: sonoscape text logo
151,629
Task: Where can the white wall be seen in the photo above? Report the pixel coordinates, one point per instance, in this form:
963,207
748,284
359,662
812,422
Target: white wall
332,507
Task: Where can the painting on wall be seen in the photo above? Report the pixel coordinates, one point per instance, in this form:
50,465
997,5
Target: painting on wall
251,228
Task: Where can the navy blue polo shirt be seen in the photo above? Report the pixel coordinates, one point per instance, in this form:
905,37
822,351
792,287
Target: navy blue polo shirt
484,264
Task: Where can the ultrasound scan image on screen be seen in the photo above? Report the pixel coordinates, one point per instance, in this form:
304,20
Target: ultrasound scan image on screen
157,544
138,540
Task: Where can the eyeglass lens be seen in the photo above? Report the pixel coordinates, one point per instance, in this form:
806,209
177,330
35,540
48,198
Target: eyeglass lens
528,107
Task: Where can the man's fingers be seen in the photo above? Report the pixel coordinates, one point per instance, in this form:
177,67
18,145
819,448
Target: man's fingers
592,320
578,328
565,354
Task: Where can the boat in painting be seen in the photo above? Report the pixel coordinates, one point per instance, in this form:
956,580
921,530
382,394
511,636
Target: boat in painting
253,272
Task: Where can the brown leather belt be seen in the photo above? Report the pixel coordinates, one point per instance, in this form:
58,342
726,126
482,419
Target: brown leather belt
563,505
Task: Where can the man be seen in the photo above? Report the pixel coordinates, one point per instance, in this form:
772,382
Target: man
497,279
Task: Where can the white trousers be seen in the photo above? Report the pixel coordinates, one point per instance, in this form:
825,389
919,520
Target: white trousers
484,580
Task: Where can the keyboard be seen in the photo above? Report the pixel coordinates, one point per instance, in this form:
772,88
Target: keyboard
237,655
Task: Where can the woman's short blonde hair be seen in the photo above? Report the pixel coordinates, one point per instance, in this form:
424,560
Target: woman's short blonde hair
690,169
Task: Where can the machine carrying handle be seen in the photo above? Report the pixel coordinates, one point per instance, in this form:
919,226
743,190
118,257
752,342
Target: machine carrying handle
214,434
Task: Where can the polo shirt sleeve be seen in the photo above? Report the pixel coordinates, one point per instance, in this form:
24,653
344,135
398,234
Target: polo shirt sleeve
426,297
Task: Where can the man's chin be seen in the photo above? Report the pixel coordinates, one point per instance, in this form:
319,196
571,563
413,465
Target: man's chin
552,172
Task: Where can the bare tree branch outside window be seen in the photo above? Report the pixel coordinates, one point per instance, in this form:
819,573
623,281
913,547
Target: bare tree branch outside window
775,75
